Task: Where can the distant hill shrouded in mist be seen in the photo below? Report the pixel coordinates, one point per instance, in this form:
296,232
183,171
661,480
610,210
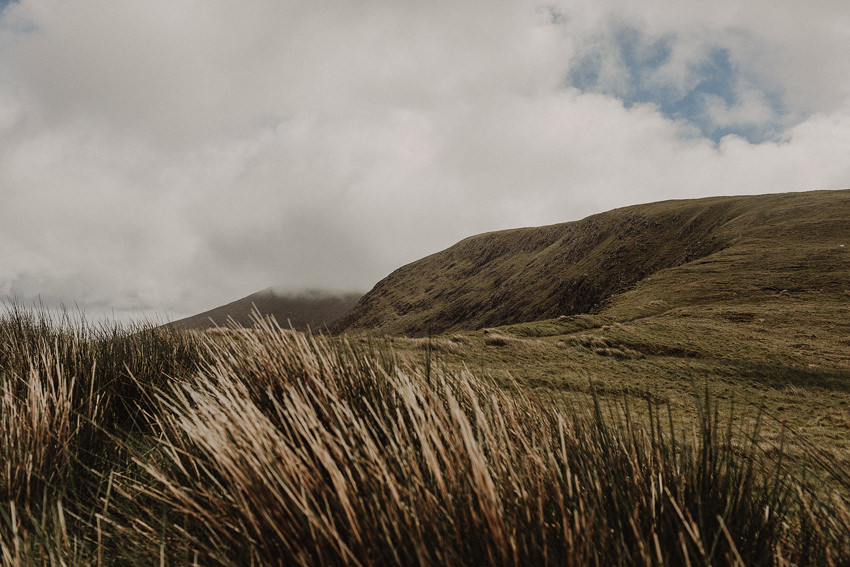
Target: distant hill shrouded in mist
679,252
316,310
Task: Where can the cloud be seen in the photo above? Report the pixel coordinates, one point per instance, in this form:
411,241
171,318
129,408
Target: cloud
705,83
170,156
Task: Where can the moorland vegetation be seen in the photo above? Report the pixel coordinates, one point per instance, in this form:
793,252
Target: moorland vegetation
665,384
266,446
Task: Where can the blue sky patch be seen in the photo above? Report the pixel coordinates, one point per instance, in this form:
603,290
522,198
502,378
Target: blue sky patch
17,27
630,65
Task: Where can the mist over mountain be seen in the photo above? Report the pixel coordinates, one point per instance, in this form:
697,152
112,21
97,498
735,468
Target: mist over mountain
313,309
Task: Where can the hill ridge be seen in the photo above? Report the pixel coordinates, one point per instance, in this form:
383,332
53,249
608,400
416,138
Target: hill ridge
525,274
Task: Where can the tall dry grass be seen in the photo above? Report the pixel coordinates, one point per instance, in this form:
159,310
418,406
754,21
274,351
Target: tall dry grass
285,449
267,447
67,400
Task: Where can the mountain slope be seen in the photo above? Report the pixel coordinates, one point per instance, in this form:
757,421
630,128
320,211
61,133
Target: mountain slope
680,251
313,309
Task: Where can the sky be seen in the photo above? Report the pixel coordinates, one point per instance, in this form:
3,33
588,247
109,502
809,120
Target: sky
161,158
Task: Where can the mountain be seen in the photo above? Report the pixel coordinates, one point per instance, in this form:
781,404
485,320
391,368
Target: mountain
314,309
683,252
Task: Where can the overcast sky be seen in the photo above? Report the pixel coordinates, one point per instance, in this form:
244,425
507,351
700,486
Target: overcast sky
167,156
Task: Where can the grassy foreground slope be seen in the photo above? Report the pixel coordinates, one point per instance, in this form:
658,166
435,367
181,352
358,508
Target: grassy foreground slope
268,447
626,263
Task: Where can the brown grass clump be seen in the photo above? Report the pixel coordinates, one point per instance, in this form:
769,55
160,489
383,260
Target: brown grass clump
432,344
461,339
495,338
604,346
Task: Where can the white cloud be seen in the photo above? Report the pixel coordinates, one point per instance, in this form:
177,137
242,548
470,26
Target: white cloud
797,47
169,156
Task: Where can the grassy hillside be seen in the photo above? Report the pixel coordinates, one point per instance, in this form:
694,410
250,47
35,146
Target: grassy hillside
625,263
761,316
310,309
666,384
